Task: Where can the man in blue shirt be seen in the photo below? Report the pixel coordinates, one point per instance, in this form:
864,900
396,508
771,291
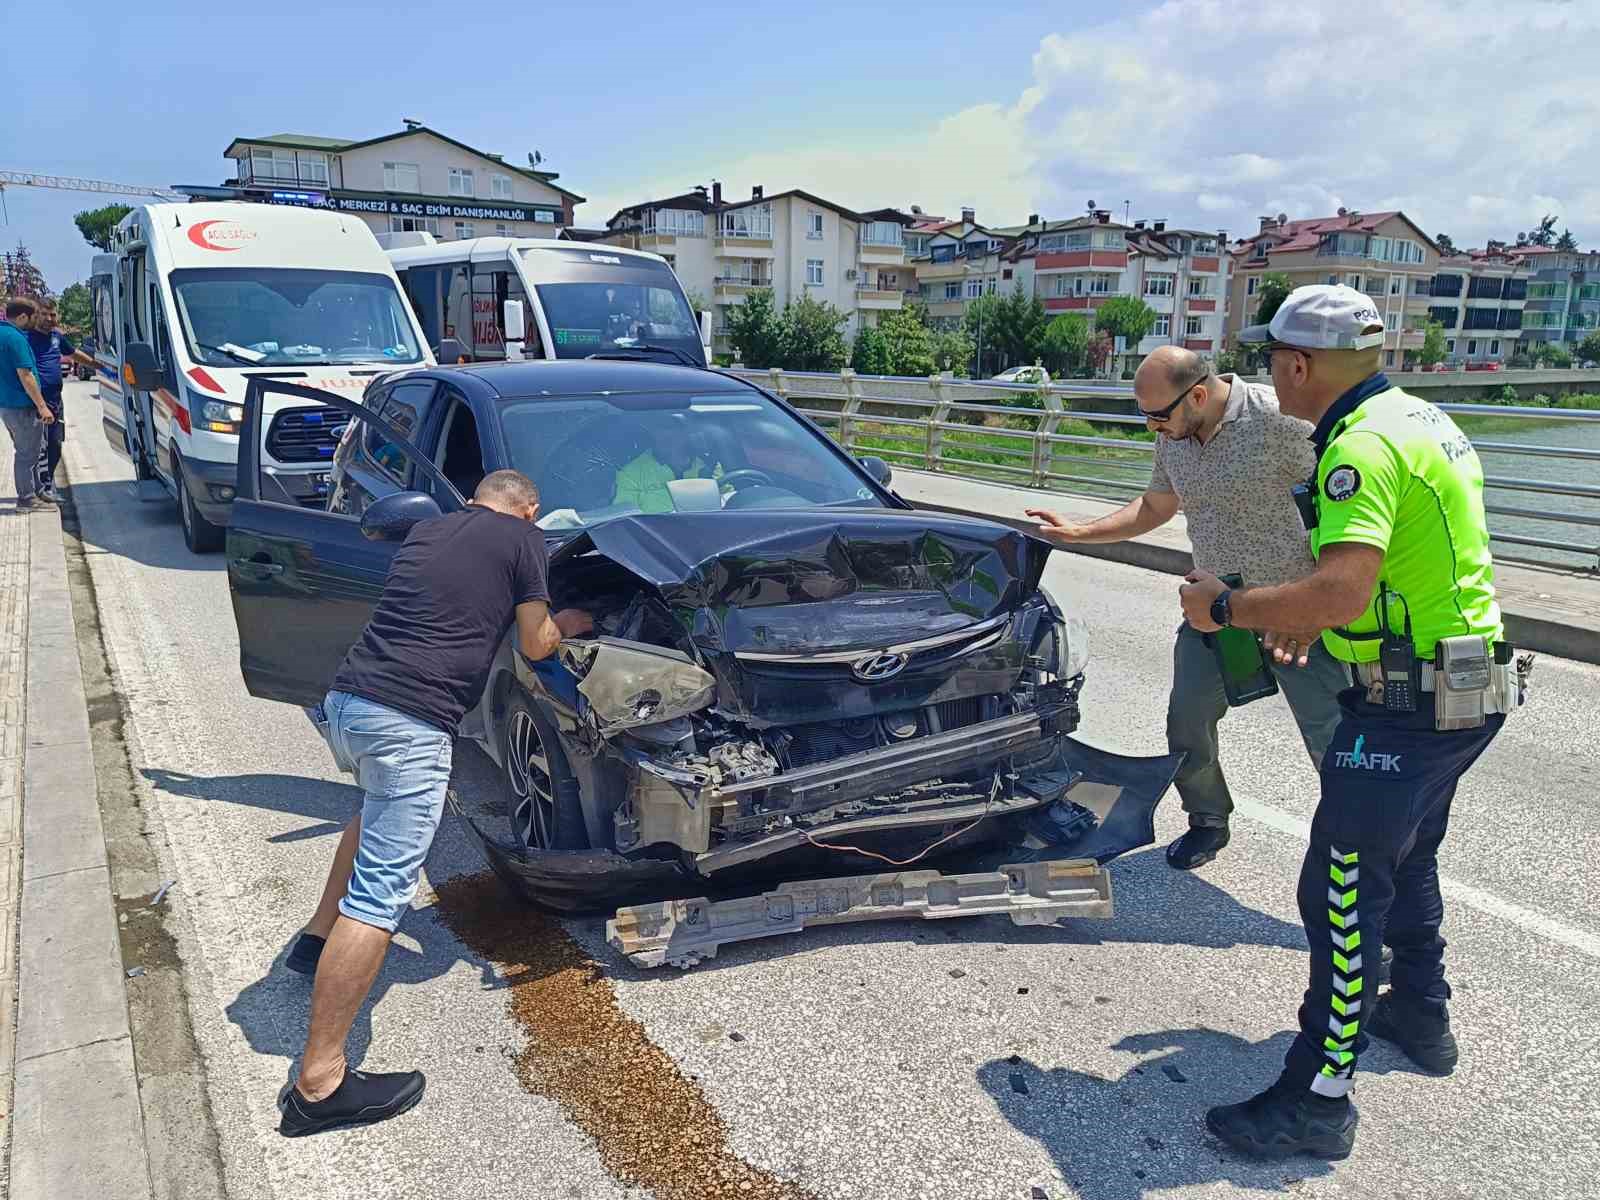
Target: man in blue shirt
22,406
50,346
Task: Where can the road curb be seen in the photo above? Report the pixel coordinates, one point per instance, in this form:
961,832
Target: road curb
77,1128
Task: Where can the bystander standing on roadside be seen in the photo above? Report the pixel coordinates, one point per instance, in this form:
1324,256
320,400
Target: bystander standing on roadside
50,347
22,404
454,588
1228,458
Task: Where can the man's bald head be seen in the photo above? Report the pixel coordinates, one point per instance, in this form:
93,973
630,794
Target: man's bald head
1167,369
509,492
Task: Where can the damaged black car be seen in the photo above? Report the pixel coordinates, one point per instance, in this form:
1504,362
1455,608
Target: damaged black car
804,701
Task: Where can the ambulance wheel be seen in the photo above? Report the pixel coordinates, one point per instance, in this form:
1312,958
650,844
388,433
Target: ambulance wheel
199,534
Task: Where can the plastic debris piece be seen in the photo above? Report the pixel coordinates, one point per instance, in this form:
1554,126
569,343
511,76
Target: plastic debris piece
1018,1084
957,973
135,972
161,892
1174,1074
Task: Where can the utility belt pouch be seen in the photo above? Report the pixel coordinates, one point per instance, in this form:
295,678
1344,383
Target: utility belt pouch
1463,678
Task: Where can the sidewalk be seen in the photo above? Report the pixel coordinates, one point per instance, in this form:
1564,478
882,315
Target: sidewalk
1551,610
72,1117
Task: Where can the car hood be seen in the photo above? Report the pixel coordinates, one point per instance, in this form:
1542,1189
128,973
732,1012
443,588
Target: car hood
777,582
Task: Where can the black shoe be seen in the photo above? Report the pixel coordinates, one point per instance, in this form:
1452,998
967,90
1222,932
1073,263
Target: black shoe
1286,1120
1423,1035
305,954
1197,847
360,1099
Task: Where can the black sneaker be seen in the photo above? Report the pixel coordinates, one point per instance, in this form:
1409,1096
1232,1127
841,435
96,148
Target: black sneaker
1197,847
1285,1120
360,1099
1422,1034
305,954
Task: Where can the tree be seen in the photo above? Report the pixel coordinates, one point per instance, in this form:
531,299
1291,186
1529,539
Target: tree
1126,317
1589,348
96,224
907,343
1446,246
1019,323
1566,241
756,331
1544,235
1432,351
812,336
1066,344
19,277
1101,348
953,351
76,309
870,356
1271,292
983,328
1559,357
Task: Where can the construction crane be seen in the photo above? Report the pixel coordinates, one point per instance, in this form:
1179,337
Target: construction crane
70,183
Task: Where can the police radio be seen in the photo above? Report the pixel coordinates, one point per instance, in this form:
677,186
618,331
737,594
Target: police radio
1397,657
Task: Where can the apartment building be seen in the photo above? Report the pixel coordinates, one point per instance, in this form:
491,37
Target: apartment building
1479,297
955,263
1384,254
1563,292
413,179
792,242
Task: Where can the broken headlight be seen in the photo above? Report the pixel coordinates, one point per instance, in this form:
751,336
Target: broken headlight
1072,646
628,684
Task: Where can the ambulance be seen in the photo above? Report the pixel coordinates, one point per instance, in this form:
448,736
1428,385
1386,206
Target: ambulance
196,299
569,300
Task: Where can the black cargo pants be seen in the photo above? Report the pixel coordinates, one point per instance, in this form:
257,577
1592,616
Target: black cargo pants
1371,876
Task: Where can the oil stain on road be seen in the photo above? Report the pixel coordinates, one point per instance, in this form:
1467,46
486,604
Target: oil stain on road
653,1126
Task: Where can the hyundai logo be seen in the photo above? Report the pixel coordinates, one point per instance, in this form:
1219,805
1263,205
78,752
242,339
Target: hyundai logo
875,668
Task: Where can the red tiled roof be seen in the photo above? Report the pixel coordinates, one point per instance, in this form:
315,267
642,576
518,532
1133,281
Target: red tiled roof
1307,234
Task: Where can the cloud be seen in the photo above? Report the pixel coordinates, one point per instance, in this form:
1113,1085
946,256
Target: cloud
1473,117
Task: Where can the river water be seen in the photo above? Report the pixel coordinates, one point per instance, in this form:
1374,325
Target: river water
1577,434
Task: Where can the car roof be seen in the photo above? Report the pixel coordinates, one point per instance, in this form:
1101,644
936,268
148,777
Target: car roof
568,377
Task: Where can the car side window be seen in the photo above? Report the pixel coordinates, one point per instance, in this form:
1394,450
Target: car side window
368,465
406,408
460,452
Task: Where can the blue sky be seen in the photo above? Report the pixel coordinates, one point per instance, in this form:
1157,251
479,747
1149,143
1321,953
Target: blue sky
1203,112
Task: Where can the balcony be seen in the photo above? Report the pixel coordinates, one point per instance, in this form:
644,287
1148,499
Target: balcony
878,297
736,287
744,240
881,253
282,177
956,269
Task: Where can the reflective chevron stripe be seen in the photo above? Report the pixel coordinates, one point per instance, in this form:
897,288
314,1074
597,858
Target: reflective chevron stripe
1344,931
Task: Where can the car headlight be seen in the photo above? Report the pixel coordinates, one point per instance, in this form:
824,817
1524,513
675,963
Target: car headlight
218,416
1074,639
628,685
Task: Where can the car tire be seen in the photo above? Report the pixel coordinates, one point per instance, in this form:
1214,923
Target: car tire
199,534
543,802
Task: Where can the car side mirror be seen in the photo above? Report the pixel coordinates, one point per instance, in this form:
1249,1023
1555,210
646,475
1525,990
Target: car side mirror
450,352
391,518
514,321
877,468
140,368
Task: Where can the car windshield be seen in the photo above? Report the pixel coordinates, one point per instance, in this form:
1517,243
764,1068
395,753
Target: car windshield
598,457
238,316
598,303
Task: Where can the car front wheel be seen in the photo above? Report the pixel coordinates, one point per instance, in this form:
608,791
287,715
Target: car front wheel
542,794
199,534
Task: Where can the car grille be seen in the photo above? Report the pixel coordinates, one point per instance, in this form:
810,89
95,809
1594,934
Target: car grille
305,435
827,740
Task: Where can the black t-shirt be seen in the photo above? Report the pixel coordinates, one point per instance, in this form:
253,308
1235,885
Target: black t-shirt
450,596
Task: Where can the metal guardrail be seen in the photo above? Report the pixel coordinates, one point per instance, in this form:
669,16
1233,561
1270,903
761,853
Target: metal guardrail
925,424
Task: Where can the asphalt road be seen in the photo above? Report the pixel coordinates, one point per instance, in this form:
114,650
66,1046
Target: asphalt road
965,1059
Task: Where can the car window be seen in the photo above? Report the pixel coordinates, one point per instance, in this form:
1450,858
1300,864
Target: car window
405,407
596,457
460,452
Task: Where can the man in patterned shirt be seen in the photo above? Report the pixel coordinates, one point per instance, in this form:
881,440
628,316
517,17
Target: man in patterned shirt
1227,457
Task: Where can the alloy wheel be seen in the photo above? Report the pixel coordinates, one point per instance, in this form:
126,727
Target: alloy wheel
528,767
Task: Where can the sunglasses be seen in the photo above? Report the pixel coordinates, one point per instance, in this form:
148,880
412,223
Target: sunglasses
1161,414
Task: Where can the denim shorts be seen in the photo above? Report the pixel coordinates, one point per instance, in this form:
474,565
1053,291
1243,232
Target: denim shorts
403,765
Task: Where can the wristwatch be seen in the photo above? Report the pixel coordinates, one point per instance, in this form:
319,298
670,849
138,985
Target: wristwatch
1221,610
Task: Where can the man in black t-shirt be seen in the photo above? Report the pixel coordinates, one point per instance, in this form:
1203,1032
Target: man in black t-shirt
452,591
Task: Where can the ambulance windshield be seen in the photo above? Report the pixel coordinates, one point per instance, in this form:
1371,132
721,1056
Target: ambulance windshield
250,316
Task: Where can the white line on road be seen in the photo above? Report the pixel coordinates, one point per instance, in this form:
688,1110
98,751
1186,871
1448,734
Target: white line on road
1488,903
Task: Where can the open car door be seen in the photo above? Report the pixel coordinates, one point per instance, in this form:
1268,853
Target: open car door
305,580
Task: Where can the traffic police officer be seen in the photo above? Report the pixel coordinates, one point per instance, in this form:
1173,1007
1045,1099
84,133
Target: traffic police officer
1403,591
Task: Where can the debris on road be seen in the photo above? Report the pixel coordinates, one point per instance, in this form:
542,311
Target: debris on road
957,973
653,1127
161,892
1018,1084
135,972
1172,1073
